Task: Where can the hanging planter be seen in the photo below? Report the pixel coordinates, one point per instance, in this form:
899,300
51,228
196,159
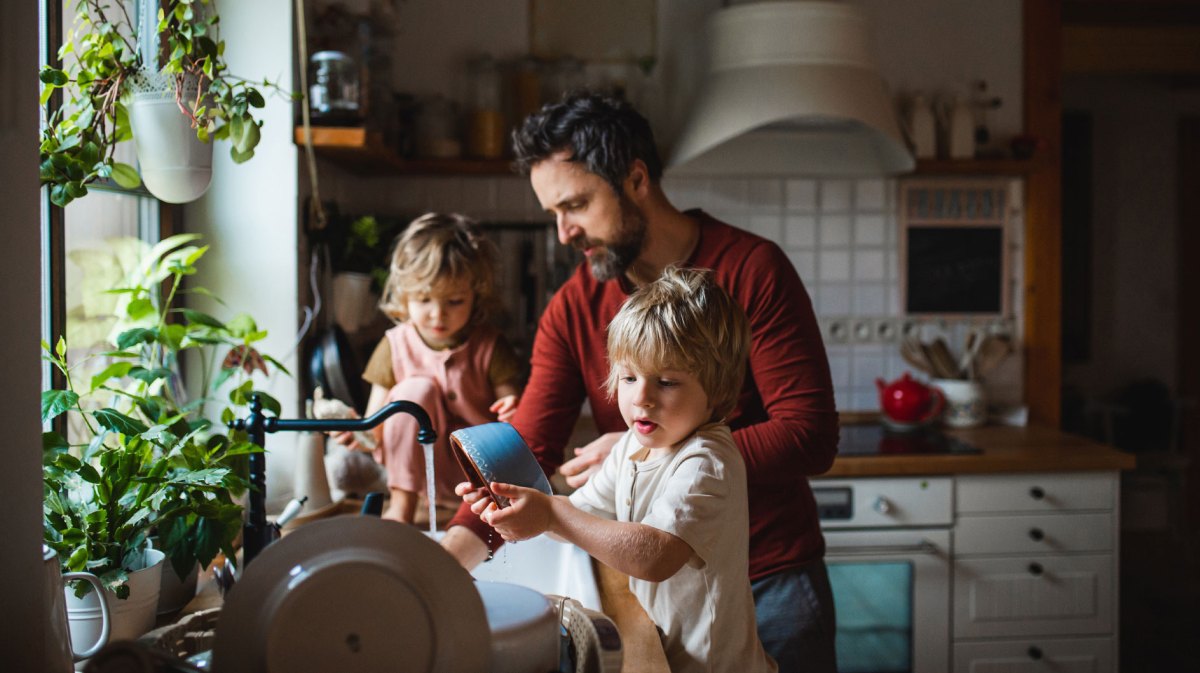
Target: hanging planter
175,164
160,79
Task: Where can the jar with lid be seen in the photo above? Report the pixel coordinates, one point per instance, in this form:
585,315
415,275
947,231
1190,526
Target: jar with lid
437,129
334,93
485,117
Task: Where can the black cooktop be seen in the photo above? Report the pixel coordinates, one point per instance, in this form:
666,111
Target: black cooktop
877,440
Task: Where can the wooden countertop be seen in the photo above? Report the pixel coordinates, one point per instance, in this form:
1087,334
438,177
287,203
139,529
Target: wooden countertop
1003,449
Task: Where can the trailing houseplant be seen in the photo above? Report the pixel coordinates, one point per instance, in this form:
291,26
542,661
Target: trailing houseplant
106,56
140,457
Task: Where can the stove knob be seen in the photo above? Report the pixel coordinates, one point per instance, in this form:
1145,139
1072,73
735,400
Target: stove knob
882,505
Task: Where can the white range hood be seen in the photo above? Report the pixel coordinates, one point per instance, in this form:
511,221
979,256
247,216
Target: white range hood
791,90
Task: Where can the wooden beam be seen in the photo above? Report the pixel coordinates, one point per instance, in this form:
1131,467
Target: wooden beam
1168,50
1043,212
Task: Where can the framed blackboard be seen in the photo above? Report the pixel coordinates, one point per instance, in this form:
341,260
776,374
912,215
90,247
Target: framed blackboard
954,248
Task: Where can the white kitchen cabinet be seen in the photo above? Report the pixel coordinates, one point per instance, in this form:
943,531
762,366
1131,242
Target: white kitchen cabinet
1035,572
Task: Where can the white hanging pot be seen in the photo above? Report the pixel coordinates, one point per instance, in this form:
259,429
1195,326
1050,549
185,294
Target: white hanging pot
176,166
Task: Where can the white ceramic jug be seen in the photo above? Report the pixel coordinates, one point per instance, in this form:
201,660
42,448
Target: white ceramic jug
60,653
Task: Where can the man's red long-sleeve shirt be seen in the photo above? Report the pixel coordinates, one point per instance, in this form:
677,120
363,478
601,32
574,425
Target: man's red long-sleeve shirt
785,423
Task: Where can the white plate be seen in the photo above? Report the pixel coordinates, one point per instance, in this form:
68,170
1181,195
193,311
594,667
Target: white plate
353,594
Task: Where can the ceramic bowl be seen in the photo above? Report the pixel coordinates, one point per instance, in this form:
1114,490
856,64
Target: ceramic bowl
496,452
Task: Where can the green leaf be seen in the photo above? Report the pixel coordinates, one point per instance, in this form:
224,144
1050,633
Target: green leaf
139,308
241,325
78,560
89,473
149,375
126,175
255,98
53,76
55,402
136,336
52,441
115,370
119,422
269,403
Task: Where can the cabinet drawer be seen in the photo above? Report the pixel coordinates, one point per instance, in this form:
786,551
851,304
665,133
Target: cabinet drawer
1031,595
1033,534
1034,655
1035,492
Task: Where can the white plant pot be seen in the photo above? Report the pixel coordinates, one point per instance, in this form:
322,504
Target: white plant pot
176,166
174,593
131,617
354,304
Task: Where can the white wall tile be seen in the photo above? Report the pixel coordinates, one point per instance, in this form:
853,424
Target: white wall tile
869,195
805,262
766,194
833,299
728,194
869,229
800,231
836,196
835,230
834,265
767,226
801,195
839,370
870,299
869,265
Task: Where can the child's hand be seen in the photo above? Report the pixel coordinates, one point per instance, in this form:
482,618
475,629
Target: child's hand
505,408
527,515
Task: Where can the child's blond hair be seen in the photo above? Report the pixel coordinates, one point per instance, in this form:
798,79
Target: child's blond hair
437,248
683,321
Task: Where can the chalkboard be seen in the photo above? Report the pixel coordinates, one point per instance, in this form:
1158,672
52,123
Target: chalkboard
953,246
954,269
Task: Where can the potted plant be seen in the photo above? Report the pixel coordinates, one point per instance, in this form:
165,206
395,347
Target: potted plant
156,75
139,457
358,249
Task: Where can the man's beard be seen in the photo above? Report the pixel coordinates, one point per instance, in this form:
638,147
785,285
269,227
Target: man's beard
617,255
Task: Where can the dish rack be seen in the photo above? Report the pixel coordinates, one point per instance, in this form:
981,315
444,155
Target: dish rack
591,642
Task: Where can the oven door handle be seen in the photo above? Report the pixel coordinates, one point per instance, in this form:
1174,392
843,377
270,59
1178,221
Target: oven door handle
923,547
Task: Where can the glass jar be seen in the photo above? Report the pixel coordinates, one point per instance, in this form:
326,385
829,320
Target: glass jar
334,94
437,130
485,117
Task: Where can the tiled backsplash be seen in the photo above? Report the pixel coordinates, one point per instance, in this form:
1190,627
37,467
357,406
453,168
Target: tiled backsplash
840,234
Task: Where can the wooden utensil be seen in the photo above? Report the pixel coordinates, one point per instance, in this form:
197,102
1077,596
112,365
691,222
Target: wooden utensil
966,362
939,354
914,354
993,351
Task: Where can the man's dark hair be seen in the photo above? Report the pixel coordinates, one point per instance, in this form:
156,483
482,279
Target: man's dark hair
604,134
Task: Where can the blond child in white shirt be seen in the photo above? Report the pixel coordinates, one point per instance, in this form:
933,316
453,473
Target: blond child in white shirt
668,505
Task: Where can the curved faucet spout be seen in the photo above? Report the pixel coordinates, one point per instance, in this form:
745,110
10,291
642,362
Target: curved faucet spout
257,532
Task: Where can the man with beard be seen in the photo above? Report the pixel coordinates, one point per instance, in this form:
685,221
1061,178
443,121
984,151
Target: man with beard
593,164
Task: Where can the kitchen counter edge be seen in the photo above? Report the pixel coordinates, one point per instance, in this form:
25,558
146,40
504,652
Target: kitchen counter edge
1003,449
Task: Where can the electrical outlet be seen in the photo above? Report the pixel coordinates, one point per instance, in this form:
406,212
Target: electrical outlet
838,331
887,330
910,329
863,331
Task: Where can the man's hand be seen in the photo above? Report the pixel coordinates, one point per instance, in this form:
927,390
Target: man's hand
505,408
588,458
527,515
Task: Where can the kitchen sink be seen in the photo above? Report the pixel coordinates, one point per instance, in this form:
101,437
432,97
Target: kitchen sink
544,565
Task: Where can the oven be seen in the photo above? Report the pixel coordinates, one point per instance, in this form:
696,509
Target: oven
888,549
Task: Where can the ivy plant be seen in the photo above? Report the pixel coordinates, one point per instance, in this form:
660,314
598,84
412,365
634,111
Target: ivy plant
101,55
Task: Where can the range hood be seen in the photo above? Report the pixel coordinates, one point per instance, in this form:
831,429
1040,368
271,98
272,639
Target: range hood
791,90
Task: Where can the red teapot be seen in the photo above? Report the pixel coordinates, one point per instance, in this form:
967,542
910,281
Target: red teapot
907,401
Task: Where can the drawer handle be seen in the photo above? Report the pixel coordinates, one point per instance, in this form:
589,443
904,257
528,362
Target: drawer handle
1035,652
1035,569
1037,493
1036,534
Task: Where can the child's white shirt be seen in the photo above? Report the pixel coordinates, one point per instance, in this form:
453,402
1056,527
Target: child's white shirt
698,494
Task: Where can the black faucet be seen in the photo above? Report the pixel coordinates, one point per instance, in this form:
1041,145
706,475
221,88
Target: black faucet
257,533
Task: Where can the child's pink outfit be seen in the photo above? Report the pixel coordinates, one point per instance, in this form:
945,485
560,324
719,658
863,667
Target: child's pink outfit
452,386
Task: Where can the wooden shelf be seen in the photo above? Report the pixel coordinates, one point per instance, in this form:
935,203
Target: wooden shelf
979,166
363,152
